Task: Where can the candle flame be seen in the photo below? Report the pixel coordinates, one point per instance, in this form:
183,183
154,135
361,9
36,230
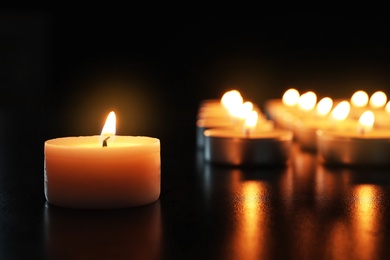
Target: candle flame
359,99
232,101
109,127
366,120
387,108
245,109
324,106
251,119
307,101
341,111
378,99
290,97
231,98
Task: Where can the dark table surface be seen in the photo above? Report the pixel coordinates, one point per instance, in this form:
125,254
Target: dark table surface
301,211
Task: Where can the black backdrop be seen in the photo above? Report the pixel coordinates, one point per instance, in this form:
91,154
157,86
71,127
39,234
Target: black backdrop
62,72
74,67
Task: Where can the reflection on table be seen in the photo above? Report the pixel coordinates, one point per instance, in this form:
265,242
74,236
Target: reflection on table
314,209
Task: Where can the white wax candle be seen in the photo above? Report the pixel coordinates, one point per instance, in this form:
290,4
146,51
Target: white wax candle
80,173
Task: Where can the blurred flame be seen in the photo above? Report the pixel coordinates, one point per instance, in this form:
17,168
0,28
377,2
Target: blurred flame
324,106
387,108
251,119
290,97
367,120
359,99
231,98
341,111
232,101
245,109
378,99
109,127
307,101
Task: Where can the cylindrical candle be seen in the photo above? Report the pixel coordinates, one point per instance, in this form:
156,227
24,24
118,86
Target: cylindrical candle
80,173
224,146
354,148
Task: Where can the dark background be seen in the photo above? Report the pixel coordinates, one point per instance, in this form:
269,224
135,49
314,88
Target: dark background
61,72
74,68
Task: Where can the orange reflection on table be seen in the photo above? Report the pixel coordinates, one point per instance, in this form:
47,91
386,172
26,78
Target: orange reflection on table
250,239
366,218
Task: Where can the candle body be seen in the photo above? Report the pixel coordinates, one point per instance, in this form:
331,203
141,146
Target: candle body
352,148
80,173
224,146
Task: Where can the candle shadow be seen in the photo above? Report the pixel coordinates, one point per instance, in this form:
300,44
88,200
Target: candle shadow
91,234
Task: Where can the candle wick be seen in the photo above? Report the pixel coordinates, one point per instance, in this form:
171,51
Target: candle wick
105,141
361,130
247,132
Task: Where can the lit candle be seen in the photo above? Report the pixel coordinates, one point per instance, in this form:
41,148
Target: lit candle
382,117
250,147
359,101
101,172
378,100
305,130
230,111
307,101
282,111
362,146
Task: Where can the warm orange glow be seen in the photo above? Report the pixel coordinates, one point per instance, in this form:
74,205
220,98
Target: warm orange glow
378,99
359,99
251,119
307,101
324,106
290,97
367,216
231,99
109,127
341,111
253,220
387,108
245,109
366,120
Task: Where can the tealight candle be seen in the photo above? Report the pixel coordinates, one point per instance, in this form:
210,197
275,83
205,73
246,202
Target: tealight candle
305,130
250,147
102,172
359,101
382,117
363,146
282,111
230,111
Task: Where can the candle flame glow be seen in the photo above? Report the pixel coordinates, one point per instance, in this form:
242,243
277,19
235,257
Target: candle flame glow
366,120
387,108
245,109
251,119
231,98
109,127
307,101
324,106
359,99
341,111
378,99
290,97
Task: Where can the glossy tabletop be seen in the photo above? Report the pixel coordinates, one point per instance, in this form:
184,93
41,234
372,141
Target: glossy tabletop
300,211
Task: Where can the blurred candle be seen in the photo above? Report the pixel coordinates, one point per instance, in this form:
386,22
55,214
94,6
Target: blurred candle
378,99
361,146
231,147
